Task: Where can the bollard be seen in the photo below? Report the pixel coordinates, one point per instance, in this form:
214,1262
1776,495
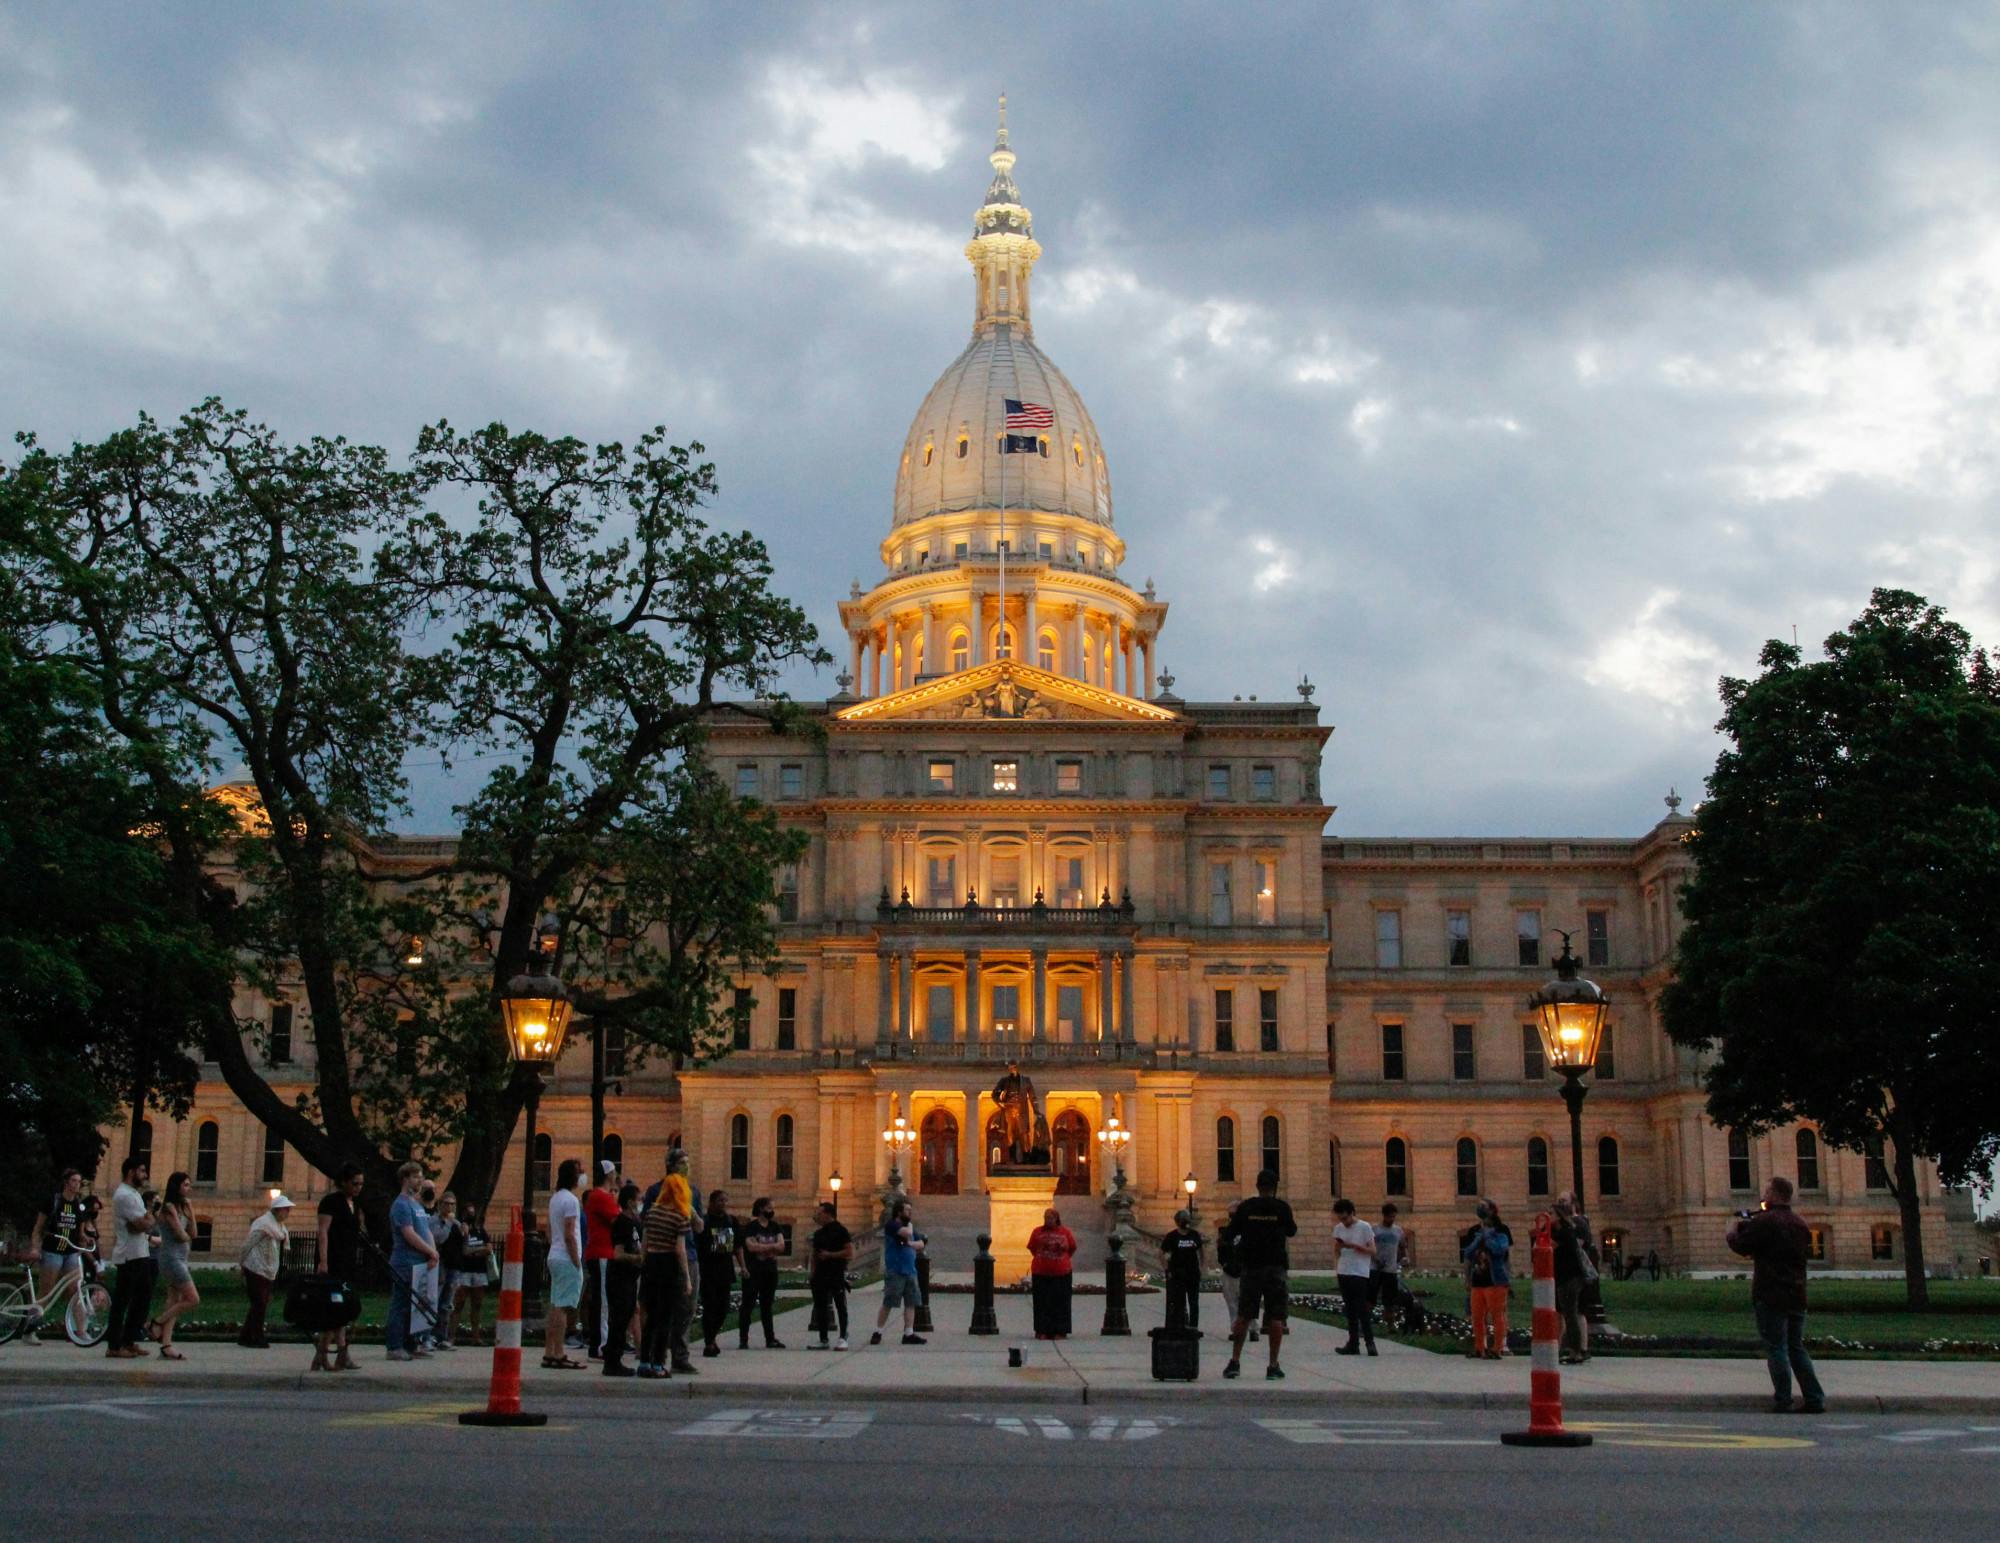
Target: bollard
1545,1404
984,1319
924,1324
1115,1321
503,1397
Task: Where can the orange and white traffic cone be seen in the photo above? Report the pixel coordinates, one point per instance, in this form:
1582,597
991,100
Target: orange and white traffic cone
1545,1400
503,1398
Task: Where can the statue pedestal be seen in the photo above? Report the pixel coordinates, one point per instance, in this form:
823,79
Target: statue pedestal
1015,1203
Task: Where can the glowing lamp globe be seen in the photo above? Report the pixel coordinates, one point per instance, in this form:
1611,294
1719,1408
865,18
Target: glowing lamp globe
1569,1013
535,1008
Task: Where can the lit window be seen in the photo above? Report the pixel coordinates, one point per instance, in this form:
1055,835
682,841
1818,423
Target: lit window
1392,1052
1003,643
1468,1166
739,1146
1264,783
1076,451
1538,1166
1816,1244
1225,1150
942,775
1395,1166
1740,1177
1267,1020
281,1033
746,780
1006,776
1464,1064
964,445
1006,1011
929,451
1806,1144
1225,1019
1267,892
1597,933
1004,888
1458,937
1527,937
791,781
1534,1065
942,876
1069,776
1218,782
961,650
1607,1165
1388,940
1043,446
1881,1241
1045,649
1219,908
788,1018
1069,881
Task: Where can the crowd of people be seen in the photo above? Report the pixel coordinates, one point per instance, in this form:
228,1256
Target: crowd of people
633,1274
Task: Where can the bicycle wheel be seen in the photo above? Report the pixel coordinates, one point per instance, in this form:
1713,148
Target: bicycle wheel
17,1312
89,1317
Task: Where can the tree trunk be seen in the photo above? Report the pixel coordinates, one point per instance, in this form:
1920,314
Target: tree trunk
1916,1284
141,1086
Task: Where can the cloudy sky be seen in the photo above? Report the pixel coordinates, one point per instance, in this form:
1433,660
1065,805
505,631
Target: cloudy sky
1514,370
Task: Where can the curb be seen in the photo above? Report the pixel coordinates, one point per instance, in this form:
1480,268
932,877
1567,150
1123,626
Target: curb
1078,1393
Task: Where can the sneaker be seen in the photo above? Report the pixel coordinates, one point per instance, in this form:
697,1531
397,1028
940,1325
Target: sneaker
1253,1336
420,1354
875,1338
394,1355
1274,1374
1372,1350
649,1372
1348,1350
1812,1408
821,1345
612,1369
687,1369
841,1343
774,1344
710,1352
443,1344
1232,1371
912,1339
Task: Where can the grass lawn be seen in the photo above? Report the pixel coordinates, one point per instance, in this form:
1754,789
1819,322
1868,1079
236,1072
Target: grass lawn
1858,1313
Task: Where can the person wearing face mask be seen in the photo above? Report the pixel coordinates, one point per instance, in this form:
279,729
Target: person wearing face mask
763,1243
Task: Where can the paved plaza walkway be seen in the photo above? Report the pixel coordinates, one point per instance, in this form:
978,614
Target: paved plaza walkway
1087,1368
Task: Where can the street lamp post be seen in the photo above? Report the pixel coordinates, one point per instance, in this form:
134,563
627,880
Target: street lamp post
1190,1184
1569,1014
834,1184
899,1138
1115,1138
535,1009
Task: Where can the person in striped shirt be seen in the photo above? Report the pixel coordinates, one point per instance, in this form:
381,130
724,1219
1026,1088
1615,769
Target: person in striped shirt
666,1289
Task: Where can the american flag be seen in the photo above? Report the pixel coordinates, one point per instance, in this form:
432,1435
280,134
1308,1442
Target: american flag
1028,417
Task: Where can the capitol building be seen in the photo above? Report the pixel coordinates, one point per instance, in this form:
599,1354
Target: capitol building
1026,848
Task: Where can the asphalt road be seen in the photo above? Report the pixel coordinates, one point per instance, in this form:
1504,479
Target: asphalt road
283,1466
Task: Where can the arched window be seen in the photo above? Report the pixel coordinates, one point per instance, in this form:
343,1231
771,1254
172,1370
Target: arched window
274,1157
1607,1165
1225,1150
964,445
613,1150
1538,1166
545,1151
937,1155
1806,1144
1076,451
1468,1166
1333,1167
1271,1143
1396,1166
739,1146
1046,652
1089,661
1003,642
961,650
1044,446
1740,1177
207,1151
929,451
783,1142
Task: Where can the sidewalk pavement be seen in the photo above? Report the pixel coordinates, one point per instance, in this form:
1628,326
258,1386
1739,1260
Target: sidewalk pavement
1085,1369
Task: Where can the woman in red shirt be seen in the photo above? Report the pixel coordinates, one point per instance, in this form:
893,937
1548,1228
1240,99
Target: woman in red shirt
1051,1246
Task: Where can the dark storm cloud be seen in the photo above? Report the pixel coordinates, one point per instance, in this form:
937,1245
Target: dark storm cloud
1511,370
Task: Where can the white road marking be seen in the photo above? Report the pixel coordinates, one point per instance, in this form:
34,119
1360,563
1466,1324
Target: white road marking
112,1408
1102,1427
790,1424
1350,1433
1929,1433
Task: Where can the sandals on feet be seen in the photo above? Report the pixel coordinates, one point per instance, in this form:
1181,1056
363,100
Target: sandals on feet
168,1353
565,1364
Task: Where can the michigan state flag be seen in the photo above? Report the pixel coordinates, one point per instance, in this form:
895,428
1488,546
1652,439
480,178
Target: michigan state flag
1020,444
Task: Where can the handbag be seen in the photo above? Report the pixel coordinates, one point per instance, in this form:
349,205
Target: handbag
492,1269
1480,1272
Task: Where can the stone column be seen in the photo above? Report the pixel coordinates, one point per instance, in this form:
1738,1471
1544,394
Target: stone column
1073,665
971,1146
1126,1030
884,994
875,674
1146,685
1105,1026
979,626
1031,634
906,969
1131,663
975,1013
859,648
930,640
1041,958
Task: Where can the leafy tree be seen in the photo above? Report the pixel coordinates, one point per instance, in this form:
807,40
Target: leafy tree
233,599
1837,960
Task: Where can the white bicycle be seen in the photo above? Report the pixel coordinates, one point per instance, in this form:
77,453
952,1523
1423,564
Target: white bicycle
83,1305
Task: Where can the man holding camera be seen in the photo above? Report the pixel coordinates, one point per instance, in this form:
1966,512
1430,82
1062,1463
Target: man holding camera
1778,1244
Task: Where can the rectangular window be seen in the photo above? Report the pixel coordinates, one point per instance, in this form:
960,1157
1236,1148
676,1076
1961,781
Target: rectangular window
1220,912
1607,1053
1069,776
1271,1144
1458,938
1069,1014
1267,1020
1225,1019
1332,1069
1534,1065
1464,1065
204,1237
1816,1244
1388,940
959,549
274,1158
1267,893
1392,1052
739,1019
281,1033
1874,1170
1597,934
783,1149
1740,1177
1538,1166
746,779
943,776
1527,937
614,1048
791,781
788,1018
788,894
1006,1011
941,881
1225,1151
1069,882
940,1015
1882,1241
1264,783
1006,776
1004,888
1045,550
1218,782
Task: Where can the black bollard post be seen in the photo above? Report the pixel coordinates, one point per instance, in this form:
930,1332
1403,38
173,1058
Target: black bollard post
1115,1321
984,1319
924,1324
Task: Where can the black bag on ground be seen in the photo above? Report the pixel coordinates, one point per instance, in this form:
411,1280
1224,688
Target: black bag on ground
319,1304
1176,1354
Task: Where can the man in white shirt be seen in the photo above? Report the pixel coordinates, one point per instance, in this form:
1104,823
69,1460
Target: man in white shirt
132,1253
1353,1264
565,1266
1386,1285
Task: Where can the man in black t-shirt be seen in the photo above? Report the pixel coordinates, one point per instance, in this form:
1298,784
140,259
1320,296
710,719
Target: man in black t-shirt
1258,1231
1182,1249
763,1242
621,1282
832,1248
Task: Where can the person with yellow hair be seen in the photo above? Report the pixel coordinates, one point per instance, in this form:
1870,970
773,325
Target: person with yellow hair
666,1289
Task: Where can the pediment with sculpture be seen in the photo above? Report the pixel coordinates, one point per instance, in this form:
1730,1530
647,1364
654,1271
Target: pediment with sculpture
1006,692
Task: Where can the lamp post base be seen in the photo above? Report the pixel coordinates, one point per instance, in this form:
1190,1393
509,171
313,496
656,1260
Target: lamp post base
1556,1438
503,1421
